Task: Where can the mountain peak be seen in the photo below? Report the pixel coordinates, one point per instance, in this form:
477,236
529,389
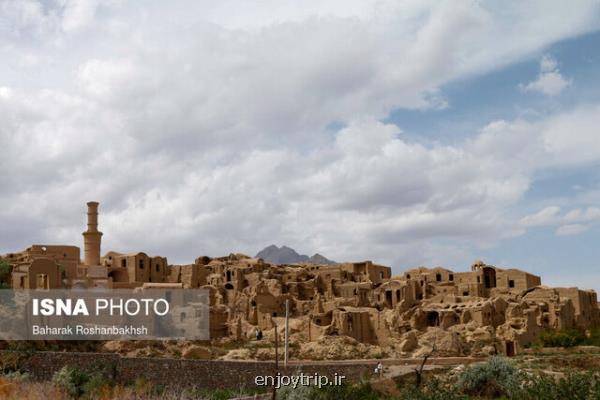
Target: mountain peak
287,255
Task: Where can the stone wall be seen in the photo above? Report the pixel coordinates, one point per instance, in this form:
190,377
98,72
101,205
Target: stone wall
43,365
180,373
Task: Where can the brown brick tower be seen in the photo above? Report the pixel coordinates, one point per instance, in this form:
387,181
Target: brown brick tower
92,237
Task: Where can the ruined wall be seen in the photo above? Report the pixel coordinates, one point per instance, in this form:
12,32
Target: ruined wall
67,256
42,273
356,323
378,273
516,280
158,269
441,275
585,305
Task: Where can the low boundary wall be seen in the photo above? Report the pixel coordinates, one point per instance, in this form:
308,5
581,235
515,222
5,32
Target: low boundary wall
210,374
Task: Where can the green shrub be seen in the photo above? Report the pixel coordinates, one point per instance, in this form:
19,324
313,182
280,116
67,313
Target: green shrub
432,390
497,377
18,376
361,391
77,382
10,361
594,338
71,379
301,392
562,338
93,384
576,386
536,387
204,393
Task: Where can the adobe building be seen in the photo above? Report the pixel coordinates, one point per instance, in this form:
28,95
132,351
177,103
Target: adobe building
39,273
484,310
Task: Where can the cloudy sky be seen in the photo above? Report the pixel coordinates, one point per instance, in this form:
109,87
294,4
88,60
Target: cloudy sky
407,132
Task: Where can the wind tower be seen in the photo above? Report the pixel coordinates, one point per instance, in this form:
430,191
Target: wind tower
92,238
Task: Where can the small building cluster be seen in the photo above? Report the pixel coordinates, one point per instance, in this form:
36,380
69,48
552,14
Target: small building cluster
490,309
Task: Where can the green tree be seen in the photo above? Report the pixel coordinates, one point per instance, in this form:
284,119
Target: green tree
4,274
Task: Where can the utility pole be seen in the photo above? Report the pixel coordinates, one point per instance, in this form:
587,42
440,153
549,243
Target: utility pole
287,330
276,359
276,349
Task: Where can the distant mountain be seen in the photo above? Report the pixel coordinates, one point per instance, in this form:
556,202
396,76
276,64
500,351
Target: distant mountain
286,255
319,259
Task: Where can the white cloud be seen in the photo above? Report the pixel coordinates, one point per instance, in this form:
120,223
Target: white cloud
546,216
78,14
5,92
548,64
203,127
572,138
564,139
571,229
574,222
549,81
552,216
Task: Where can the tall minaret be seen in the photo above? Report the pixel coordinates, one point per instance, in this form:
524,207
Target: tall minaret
92,237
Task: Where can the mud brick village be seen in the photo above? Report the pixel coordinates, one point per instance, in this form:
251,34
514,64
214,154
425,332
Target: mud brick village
337,310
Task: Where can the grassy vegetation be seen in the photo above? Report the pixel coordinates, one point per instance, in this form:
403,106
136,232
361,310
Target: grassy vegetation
594,337
348,392
562,338
219,394
498,378
570,338
78,383
96,384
